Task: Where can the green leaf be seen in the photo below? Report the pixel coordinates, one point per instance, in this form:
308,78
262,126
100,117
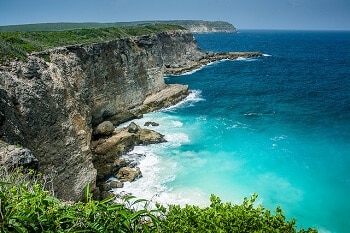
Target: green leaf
139,200
107,200
4,183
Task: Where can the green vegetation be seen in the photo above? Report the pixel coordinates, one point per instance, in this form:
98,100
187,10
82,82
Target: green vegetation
25,206
225,26
19,44
225,217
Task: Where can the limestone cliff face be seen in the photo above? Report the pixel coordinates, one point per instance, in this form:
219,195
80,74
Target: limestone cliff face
51,103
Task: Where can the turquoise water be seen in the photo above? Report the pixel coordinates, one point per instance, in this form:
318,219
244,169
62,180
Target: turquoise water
278,126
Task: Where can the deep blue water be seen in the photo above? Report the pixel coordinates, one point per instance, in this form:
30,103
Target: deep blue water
278,126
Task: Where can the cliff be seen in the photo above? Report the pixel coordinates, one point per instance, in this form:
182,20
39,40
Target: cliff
194,26
51,102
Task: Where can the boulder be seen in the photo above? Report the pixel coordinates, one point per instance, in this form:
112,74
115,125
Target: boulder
173,93
121,162
151,123
116,184
104,129
120,142
106,195
133,128
148,136
13,156
128,174
105,186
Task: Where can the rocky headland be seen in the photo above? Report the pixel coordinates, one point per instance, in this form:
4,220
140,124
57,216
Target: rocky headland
194,26
62,105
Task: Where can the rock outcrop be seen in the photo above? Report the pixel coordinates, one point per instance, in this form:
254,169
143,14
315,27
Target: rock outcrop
206,58
104,129
51,103
194,26
106,150
12,156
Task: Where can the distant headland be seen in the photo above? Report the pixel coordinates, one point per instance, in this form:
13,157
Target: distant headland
194,26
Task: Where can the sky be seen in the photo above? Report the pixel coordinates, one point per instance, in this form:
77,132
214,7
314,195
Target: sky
243,14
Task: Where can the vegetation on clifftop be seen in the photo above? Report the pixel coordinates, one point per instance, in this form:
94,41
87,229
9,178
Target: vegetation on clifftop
214,25
20,43
26,207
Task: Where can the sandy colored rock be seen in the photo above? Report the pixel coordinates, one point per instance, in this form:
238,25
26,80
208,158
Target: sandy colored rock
128,174
104,129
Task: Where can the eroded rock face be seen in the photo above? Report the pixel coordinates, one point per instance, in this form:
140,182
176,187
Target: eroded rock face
52,107
107,150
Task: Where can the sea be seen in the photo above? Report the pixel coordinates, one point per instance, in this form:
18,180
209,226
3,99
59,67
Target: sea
277,125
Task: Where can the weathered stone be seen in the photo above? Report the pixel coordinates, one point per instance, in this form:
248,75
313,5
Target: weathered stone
133,128
106,194
107,150
148,136
116,184
151,123
105,186
117,144
128,174
104,129
166,97
121,162
12,156
30,70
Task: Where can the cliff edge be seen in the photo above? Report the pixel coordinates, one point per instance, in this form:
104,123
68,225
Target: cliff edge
51,102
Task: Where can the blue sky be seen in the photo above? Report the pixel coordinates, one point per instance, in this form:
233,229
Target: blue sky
244,14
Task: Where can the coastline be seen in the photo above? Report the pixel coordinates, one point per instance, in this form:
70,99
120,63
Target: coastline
156,171
141,187
207,58
53,102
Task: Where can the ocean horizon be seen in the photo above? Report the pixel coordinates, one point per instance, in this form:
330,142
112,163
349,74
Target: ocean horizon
277,125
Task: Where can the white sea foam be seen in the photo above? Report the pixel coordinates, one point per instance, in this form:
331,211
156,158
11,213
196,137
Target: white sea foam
245,59
157,172
176,123
159,167
177,138
252,114
237,125
279,138
323,230
267,55
190,100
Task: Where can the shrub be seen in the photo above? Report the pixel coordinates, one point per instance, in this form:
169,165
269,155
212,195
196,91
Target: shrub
26,206
225,217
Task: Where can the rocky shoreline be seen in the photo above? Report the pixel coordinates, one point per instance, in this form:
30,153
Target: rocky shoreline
53,105
206,58
125,166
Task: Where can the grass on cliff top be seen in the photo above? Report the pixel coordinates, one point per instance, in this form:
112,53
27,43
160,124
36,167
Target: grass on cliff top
20,44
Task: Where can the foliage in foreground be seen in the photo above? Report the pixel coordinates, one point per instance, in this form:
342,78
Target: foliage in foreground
225,217
26,207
